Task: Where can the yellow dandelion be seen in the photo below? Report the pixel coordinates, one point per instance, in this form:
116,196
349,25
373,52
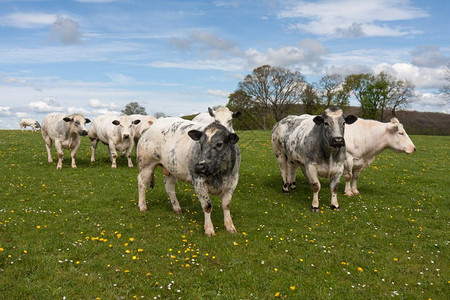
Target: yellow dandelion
292,287
395,259
1,249
360,269
140,250
131,239
277,294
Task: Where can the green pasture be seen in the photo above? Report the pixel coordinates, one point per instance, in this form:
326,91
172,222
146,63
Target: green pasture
78,233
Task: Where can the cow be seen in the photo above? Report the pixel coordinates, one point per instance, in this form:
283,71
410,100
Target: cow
317,145
205,155
364,140
29,122
115,132
145,122
223,115
66,131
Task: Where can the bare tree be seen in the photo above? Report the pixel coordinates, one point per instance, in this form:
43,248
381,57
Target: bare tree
275,89
133,108
332,92
445,90
402,93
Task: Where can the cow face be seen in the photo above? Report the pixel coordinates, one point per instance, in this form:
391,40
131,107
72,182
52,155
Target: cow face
77,124
216,152
398,139
125,126
224,116
333,122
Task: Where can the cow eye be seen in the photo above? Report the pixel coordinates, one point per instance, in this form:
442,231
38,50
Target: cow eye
326,123
401,133
219,145
77,123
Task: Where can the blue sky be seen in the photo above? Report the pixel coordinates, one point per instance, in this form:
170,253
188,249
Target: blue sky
179,57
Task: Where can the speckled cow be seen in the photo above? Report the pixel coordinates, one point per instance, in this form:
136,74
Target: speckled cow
316,144
115,132
66,131
222,115
204,154
29,122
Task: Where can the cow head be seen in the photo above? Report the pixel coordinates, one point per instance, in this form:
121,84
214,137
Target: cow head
216,151
398,139
333,122
224,116
125,126
77,124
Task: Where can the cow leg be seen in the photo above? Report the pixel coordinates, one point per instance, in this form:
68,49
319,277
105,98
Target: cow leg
73,154
130,162
282,162
348,180
48,146
355,182
169,183
94,143
58,147
292,174
312,176
226,201
334,182
206,203
113,153
145,177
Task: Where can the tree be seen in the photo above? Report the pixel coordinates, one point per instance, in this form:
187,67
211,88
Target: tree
274,89
358,85
445,90
133,108
310,99
252,115
160,115
402,93
332,92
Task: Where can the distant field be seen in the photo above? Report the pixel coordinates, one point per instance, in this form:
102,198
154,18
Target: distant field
79,233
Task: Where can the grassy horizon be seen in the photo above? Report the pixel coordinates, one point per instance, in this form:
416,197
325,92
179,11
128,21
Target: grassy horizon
78,233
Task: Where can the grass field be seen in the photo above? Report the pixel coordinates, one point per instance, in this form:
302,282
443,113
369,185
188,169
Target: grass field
78,233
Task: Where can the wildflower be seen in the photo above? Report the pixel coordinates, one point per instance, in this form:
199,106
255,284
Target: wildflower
360,269
131,239
140,250
277,294
1,249
395,259
292,287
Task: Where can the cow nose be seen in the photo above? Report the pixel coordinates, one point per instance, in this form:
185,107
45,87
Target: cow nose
126,136
84,132
200,168
338,141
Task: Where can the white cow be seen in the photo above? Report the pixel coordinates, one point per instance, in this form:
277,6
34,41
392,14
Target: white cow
317,145
66,130
29,122
364,140
146,122
115,132
204,154
222,115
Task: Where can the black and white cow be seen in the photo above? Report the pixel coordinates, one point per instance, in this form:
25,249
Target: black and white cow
204,154
66,131
316,144
29,122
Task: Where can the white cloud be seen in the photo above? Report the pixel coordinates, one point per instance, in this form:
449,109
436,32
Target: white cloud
65,30
429,56
351,18
45,106
218,93
5,111
96,103
27,20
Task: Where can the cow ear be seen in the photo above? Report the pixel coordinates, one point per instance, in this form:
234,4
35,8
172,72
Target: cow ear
392,128
87,120
318,120
67,119
233,138
135,122
211,112
350,119
236,115
116,122
195,134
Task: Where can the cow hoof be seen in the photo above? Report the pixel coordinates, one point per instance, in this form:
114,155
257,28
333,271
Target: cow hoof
209,232
314,209
177,211
337,208
285,188
293,186
143,208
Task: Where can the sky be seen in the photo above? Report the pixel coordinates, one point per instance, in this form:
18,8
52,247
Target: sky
181,57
